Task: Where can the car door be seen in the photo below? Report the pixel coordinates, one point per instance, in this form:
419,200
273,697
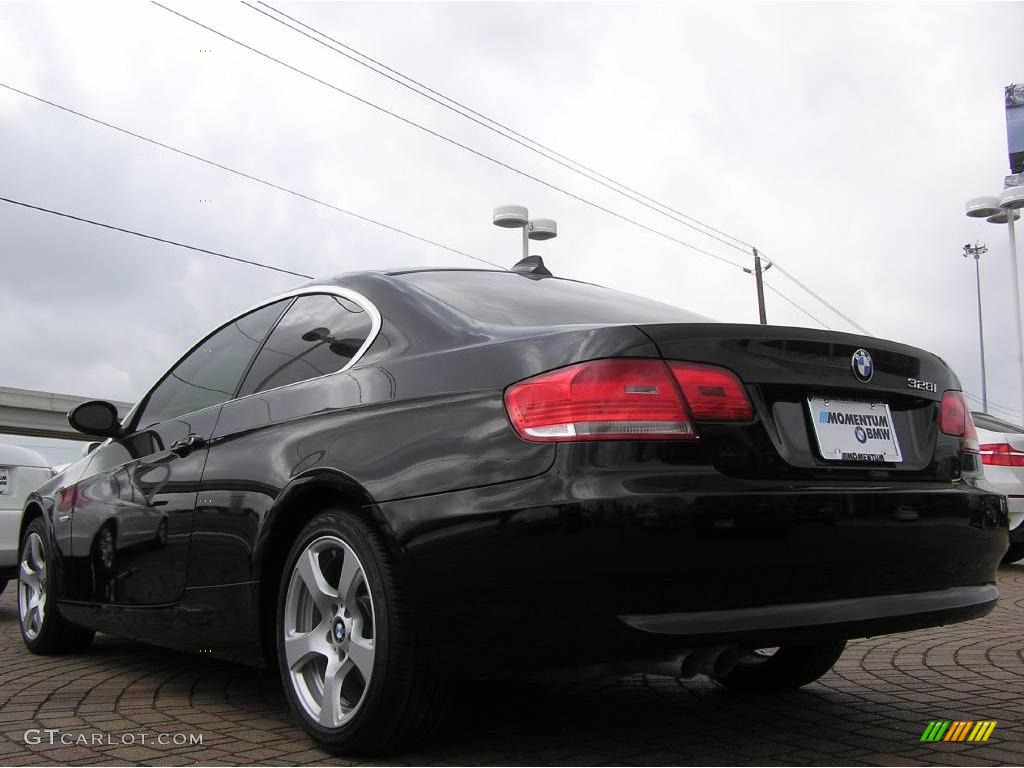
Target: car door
131,526
254,455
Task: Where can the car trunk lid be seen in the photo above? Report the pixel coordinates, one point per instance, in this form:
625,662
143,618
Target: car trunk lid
786,370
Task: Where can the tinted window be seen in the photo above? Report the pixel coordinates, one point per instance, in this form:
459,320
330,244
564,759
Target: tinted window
318,335
211,372
507,298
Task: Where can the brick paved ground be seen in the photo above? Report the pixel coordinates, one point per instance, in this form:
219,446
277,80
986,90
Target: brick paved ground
870,710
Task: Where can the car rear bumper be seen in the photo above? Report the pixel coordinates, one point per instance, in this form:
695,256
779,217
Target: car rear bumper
850,617
10,520
541,570
1015,503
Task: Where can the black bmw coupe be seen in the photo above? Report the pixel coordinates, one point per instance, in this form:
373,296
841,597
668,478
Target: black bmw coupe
384,482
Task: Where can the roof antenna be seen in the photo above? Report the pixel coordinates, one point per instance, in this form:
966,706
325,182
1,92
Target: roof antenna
532,265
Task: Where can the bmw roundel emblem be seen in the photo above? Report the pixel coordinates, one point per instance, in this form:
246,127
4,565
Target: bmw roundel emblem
862,366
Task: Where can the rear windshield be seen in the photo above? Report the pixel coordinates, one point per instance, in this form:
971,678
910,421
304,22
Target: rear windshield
993,424
509,298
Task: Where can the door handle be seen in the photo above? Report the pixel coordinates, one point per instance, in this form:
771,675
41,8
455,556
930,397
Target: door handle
184,447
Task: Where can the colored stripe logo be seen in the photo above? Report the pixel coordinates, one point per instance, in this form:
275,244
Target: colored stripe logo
958,730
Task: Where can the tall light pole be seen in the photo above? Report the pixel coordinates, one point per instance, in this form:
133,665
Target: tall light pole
976,251
1004,209
518,217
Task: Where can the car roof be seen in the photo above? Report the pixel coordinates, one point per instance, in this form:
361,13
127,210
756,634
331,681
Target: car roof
995,424
414,270
16,456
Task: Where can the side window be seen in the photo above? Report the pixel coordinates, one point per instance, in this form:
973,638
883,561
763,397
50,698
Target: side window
211,372
317,336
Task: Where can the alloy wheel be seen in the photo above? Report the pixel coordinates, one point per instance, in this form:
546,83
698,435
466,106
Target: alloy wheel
32,586
328,630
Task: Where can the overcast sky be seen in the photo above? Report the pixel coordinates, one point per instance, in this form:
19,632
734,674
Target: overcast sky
841,139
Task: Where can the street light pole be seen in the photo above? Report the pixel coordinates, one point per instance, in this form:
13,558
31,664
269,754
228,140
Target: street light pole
1011,200
976,251
518,217
1005,209
1015,271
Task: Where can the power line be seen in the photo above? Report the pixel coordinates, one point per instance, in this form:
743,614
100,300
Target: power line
449,140
152,237
777,292
835,309
499,128
1014,412
1003,405
271,184
245,175
521,139
287,190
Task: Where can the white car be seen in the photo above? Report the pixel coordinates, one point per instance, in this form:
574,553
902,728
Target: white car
21,471
1002,453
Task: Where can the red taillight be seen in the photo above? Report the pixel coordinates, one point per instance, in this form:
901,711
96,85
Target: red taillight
955,419
623,399
713,394
66,498
1001,455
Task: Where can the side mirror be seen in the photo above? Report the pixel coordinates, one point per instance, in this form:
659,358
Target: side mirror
345,347
317,334
97,418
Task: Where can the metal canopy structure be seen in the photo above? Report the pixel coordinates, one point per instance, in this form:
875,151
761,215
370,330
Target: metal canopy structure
43,414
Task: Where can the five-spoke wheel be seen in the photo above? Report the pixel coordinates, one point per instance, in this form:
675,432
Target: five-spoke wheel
32,585
329,631
352,670
42,626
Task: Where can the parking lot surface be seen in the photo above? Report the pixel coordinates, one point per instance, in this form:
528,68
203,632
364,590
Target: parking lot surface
126,703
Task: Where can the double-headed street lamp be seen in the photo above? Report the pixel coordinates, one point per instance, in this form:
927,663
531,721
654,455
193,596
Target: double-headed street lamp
518,217
976,251
1005,209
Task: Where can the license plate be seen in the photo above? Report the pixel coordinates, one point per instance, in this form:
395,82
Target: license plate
851,430
5,479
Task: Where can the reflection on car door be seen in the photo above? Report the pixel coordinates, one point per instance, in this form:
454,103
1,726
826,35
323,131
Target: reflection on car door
131,527
318,336
133,515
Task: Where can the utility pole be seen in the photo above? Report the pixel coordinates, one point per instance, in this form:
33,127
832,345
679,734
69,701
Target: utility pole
757,272
760,288
976,251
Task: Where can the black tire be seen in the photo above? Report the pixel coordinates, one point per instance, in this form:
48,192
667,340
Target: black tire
1014,553
790,667
3,585
44,631
402,700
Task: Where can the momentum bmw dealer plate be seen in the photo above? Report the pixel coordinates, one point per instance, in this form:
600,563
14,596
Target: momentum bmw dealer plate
850,430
